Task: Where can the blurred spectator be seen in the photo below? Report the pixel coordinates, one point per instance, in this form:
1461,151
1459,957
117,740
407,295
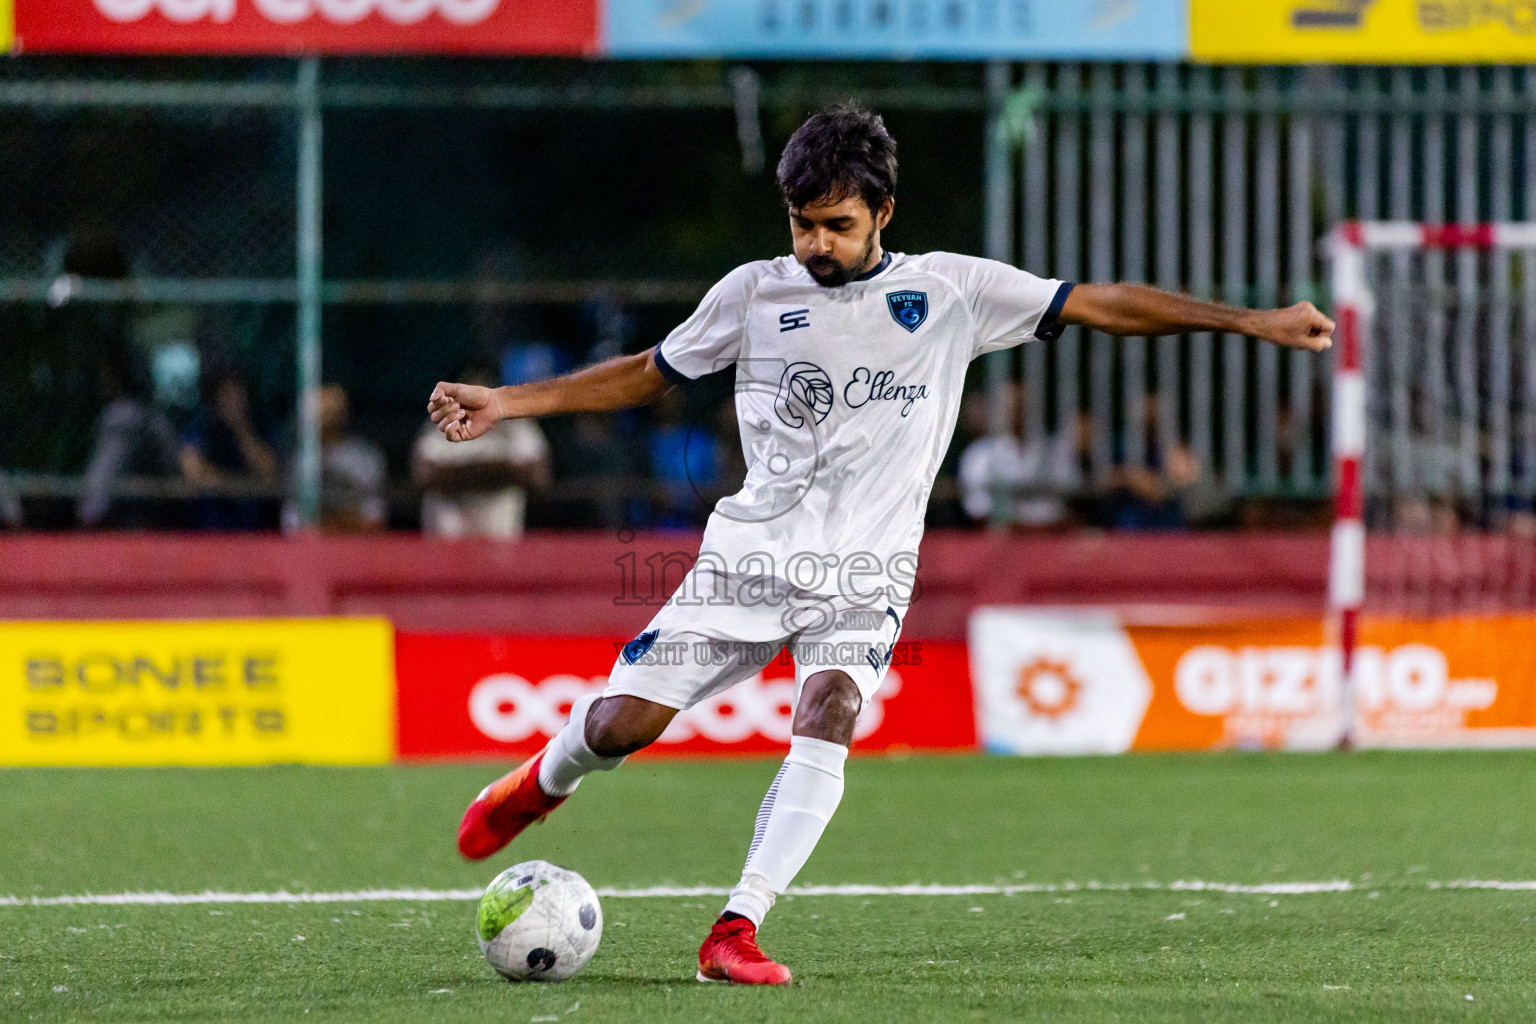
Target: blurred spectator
222,446
478,489
1521,510
73,342
351,472
593,454
10,506
131,438
1022,481
730,459
1432,468
1205,501
1168,491
683,461
1279,511
610,324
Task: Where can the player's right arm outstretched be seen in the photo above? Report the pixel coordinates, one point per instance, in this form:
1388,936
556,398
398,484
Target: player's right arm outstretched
465,411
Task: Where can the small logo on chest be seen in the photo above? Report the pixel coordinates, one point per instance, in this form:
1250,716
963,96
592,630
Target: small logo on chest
794,319
909,309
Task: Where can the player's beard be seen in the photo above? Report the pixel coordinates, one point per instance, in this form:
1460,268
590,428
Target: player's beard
831,273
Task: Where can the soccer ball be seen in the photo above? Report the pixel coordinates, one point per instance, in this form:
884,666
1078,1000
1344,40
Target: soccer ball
538,922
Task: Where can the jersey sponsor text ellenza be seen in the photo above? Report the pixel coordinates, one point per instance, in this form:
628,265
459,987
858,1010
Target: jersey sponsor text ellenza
846,400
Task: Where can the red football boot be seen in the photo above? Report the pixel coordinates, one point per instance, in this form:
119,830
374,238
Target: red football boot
731,954
503,809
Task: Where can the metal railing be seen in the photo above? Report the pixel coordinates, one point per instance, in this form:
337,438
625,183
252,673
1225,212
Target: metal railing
1220,181
300,106
1213,180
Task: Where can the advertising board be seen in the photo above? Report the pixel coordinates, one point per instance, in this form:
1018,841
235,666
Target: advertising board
505,696
312,691
307,26
942,29
1218,31
1363,31
1075,682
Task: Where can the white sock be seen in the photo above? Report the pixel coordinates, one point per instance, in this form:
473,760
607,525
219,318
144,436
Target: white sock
801,801
568,758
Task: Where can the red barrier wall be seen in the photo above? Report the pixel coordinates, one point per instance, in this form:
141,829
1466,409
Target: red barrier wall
568,583
466,695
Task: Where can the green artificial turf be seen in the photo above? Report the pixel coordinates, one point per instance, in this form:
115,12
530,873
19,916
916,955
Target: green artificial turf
1391,949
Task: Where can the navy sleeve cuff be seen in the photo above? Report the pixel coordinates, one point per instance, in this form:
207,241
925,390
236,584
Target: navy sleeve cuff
668,370
1050,321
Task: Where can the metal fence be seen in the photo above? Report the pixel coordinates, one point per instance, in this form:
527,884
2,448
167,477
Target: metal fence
243,215
155,218
1218,181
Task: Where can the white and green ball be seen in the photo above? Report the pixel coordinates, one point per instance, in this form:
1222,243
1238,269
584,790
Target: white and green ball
538,922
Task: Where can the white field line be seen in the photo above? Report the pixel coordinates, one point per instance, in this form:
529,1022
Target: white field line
683,892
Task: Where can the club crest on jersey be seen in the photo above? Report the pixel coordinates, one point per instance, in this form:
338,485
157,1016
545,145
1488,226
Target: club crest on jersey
909,309
637,648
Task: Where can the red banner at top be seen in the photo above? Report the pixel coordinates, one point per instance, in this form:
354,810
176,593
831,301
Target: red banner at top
307,26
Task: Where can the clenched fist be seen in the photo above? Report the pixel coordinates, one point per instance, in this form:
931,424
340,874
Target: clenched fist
1298,326
463,412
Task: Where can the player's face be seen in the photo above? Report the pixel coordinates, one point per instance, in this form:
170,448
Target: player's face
837,242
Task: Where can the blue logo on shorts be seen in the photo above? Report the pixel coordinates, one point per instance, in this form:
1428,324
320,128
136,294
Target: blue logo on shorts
876,658
909,309
636,648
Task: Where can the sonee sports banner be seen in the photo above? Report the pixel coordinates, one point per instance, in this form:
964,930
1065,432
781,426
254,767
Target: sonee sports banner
308,691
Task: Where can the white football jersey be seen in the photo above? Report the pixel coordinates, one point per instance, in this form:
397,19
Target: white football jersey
847,398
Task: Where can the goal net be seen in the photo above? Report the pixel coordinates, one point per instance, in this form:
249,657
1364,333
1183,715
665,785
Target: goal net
1434,439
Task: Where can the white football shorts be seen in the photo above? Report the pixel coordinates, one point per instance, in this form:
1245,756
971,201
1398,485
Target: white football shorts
719,629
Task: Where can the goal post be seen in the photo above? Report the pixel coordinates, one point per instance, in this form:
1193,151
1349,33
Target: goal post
1434,418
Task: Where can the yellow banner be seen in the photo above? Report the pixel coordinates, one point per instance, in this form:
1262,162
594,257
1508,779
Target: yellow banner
310,691
7,25
1363,31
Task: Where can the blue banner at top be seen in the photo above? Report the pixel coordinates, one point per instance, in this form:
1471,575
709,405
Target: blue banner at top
883,29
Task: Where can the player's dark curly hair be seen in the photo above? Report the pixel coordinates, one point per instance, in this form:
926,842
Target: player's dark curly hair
840,152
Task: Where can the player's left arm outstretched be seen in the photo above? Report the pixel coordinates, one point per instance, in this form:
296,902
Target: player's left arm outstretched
1135,310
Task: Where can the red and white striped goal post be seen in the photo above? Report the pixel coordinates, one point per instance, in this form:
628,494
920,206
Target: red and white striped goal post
1348,245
